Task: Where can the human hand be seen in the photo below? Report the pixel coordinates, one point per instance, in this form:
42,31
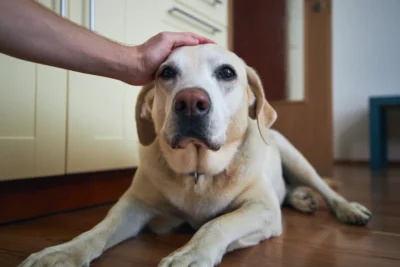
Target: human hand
154,51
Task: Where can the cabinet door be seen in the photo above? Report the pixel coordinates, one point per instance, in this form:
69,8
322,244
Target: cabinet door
169,15
214,10
101,111
32,118
17,118
144,19
185,18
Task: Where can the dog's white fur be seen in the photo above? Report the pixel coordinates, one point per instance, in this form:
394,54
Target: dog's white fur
236,200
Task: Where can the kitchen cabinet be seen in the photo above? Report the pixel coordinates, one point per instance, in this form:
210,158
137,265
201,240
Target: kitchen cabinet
176,16
32,117
101,126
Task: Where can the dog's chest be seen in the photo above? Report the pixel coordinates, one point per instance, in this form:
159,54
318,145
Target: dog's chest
201,201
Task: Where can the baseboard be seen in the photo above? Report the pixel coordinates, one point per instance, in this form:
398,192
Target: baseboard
362,163
28,198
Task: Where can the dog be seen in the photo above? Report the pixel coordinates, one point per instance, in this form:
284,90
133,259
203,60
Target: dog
209,158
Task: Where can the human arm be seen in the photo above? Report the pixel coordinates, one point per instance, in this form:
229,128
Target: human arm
31,32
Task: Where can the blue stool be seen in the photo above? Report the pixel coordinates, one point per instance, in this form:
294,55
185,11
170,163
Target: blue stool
378,107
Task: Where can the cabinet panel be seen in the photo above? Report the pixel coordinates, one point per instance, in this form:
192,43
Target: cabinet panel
101,125
214,10
108,17
17,117
51,105
167,15
143,19
32,118
183,18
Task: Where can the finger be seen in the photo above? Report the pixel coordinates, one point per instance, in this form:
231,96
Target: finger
188,41
188,38
202,39
183,39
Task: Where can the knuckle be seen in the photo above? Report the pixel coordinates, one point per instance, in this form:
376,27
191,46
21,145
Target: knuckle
163,35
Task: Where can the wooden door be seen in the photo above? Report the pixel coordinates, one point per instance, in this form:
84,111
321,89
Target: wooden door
32,117
261,36
101,126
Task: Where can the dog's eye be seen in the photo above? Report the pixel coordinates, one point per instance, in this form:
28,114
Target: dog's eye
168,73
226,73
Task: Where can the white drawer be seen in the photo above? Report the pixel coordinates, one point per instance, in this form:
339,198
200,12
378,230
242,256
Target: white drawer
155,16
182,18
214,10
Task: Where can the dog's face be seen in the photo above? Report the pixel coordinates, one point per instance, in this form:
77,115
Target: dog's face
198,89
202,96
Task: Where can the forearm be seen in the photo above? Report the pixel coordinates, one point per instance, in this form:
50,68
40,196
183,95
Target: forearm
31,32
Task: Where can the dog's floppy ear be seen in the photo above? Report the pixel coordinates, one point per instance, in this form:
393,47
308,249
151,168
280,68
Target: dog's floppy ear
259,109
144,123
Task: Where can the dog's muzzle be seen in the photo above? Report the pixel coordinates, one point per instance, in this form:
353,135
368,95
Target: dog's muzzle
191,109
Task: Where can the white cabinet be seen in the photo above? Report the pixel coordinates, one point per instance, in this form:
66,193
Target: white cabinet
17,118
55,122
214,11
101,126
175,16
32,118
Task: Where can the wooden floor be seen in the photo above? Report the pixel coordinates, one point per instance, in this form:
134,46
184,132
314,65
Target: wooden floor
308,240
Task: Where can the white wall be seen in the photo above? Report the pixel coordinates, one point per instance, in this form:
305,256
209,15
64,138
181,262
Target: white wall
295,50
366,61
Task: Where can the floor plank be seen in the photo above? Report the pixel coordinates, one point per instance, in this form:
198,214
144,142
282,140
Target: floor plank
308,240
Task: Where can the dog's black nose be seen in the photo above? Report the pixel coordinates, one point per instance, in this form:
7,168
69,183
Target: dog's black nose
192,102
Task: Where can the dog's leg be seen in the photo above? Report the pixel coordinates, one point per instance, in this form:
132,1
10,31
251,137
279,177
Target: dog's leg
300,199
300,171
251,223
125,219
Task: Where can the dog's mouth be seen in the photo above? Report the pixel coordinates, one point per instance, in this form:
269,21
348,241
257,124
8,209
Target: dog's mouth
191,130
181,142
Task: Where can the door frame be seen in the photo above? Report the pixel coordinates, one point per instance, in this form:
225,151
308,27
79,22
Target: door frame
308,124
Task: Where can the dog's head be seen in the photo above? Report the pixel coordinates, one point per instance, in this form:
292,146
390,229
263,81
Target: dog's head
201,96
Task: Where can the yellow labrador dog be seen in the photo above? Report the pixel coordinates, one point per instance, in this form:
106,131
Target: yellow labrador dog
208,158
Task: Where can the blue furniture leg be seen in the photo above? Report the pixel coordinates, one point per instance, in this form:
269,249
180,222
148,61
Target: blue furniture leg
378,136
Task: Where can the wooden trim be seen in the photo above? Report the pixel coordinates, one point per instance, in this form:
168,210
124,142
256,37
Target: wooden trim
28,198
289,103
348,162
230,25
309,125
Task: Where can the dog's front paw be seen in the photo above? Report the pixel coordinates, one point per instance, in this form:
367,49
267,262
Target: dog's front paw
54,257
352,213
186,258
